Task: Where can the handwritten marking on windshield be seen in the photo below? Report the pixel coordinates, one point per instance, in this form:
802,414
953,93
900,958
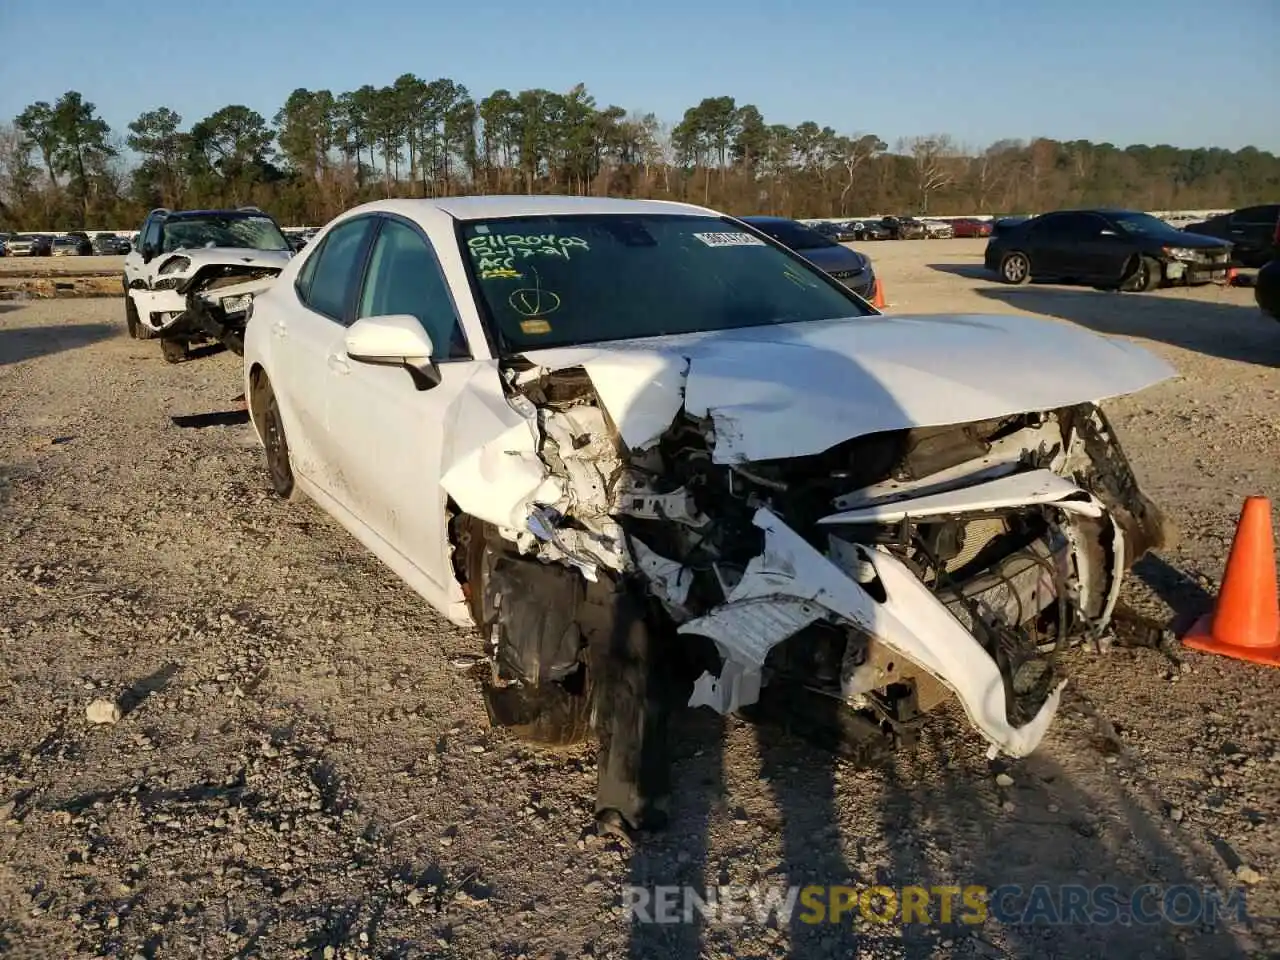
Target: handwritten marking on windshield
736,238
533,301
499,273
514,244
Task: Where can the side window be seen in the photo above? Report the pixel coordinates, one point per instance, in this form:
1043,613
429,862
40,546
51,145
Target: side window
1046,228
151,234
336,268
1077,226
404,278
303,282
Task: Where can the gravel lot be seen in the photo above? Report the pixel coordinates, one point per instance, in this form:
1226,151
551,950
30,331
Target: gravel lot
301,771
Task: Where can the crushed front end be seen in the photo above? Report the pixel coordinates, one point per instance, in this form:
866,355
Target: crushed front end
206,295
856,588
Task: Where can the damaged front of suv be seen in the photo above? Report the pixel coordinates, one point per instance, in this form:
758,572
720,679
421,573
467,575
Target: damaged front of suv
862,515
199,285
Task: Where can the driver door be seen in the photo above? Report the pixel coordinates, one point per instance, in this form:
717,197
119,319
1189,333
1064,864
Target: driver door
386,434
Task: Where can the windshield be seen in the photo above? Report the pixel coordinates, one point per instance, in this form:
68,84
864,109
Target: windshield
791,233
251,233
564,280
1141,223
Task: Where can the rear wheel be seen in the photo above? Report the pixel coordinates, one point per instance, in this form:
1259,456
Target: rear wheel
274,443
1015,267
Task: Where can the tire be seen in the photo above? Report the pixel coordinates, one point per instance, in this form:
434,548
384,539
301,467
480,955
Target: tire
174,351
274,443
137,329
1145,276
1015,268
545,715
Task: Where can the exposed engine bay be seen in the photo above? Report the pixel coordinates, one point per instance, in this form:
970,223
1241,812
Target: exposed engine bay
204,295
883,575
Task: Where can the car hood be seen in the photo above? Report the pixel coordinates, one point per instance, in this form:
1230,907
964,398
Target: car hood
790,390
1196,241
833,258
203,256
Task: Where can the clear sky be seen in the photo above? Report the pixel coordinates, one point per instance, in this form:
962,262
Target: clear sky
1185,72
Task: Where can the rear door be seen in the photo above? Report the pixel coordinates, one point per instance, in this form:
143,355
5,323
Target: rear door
1049,245
304,326
1105,249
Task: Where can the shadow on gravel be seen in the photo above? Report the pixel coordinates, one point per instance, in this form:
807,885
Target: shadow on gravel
1227,330
156,682
1060,868
970,271
1181,592
27,343
1064,875
221,418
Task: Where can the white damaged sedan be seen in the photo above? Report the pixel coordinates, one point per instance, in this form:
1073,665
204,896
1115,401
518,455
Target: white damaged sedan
617,436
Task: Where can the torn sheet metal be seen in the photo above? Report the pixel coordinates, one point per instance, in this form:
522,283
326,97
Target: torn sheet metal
911,622
166,304
790,390
737,686
1020,489
492,469
1005,456
668,579
746,628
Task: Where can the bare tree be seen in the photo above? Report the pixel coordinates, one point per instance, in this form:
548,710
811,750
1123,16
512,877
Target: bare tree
852,152
933,159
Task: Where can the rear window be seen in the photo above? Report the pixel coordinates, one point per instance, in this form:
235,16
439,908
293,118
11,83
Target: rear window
560,281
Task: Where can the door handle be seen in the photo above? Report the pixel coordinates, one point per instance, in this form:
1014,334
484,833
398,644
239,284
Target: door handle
338,363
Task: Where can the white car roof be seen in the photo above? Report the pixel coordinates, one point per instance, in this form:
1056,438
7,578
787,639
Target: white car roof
492,207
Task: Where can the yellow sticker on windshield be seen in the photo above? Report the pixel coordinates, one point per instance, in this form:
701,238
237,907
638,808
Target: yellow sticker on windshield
535,325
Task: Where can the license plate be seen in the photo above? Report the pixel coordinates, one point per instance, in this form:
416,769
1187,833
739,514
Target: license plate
237,304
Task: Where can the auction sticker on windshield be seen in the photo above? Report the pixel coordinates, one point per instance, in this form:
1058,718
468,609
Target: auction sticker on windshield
734,239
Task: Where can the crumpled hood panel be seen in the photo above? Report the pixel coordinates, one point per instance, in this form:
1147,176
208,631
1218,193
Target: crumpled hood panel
233,256
798,389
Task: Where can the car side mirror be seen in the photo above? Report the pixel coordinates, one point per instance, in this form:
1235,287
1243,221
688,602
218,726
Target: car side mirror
395,340
148,251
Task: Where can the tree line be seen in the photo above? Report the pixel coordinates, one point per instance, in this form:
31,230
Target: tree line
62,166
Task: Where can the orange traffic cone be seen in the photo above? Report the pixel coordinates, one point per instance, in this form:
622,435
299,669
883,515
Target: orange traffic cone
877,295
1245,623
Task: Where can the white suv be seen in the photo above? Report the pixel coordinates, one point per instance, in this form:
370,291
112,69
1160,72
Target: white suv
193,275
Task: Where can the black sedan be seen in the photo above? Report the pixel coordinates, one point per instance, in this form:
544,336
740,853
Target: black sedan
870,230
1254,232
1266,290
110,245
905,228
848,266
839,232
1111,249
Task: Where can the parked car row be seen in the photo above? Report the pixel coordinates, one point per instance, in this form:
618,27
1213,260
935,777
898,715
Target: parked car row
74,243
820,248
